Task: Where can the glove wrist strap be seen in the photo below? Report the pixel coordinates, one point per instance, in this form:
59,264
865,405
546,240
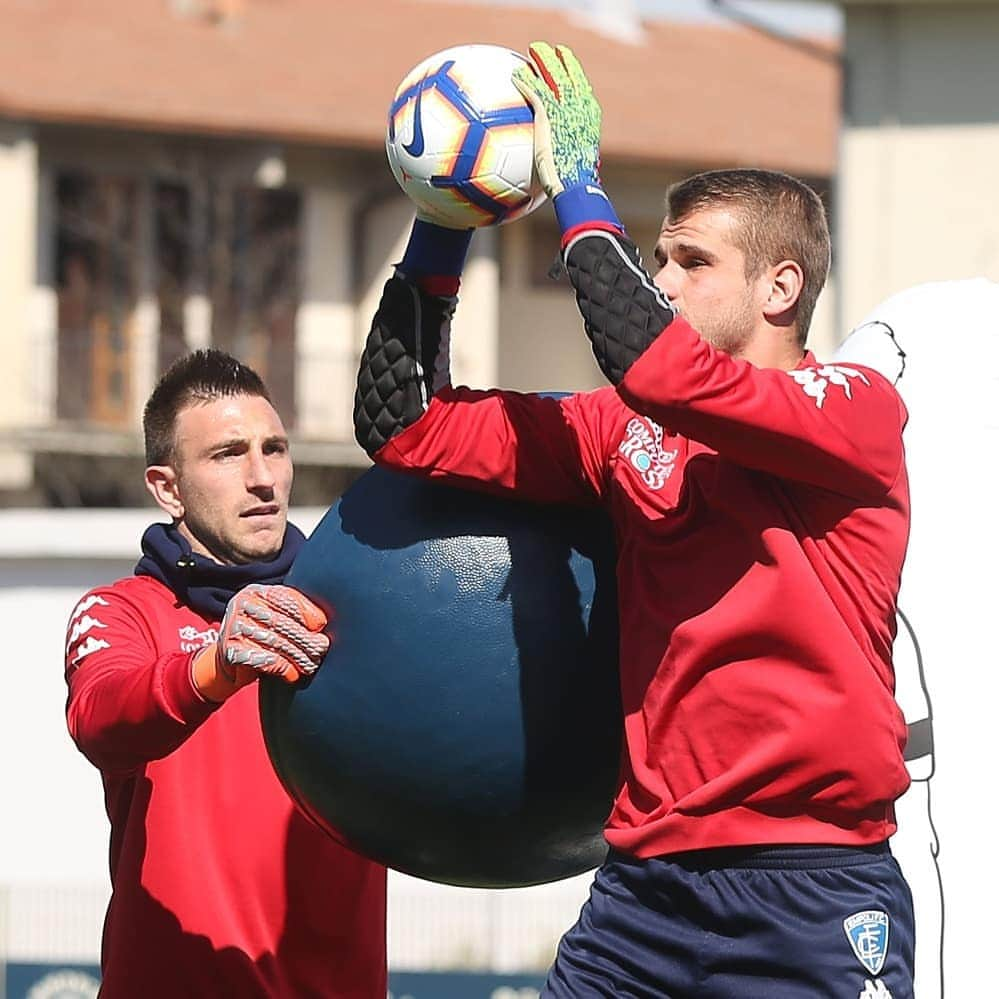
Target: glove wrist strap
584,203
435,256
208,676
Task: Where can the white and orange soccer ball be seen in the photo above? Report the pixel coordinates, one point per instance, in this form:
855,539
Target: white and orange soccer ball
460,138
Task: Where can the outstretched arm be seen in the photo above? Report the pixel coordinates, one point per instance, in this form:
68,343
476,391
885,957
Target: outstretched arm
131,702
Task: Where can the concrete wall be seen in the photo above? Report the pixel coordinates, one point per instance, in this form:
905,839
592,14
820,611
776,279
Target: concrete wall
326,340
918,195
18,201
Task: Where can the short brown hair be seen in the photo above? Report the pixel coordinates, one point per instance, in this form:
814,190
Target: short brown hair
781,218
201,376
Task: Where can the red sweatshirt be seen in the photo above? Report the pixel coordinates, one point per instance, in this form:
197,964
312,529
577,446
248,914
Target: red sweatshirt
220,887
761,519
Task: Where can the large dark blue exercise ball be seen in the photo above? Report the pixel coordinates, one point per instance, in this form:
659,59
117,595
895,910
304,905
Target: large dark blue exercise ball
466,724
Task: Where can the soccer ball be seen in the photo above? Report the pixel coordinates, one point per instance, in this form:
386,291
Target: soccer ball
461,138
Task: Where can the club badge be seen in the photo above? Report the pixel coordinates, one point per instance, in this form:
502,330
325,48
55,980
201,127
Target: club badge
868,935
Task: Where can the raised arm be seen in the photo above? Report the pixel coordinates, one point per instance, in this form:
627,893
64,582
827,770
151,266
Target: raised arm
407,415
623,311
835,427
406,359
130,702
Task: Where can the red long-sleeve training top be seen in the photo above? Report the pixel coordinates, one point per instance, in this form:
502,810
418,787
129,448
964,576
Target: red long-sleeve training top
761,519
220,887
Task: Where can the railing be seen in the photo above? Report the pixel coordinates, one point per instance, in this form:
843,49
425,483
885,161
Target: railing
430,927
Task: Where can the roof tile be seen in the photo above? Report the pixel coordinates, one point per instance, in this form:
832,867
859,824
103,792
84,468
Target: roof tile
323,71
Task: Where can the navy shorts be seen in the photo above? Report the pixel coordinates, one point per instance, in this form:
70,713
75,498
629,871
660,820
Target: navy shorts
785,923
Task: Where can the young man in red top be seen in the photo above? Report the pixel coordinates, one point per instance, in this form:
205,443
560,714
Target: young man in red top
220,887
761,513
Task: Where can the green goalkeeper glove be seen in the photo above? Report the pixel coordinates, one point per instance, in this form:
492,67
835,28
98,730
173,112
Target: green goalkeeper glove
566,134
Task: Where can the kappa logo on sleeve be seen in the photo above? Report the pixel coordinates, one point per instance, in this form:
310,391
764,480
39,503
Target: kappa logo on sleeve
83,625
86,603
81,641
815,381
643,447
867,932
87,648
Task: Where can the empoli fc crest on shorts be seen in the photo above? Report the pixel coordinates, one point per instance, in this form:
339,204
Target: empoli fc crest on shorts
868,935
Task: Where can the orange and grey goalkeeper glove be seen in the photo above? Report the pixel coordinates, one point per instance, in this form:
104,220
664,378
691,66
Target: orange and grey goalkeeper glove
267,630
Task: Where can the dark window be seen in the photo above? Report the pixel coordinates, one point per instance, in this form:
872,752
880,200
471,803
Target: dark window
174,249
237,246
97,291
253,267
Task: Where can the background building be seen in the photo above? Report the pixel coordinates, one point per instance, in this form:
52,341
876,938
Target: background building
212,171
916,191
179,173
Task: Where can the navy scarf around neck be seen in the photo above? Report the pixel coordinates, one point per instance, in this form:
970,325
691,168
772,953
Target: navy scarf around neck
197,581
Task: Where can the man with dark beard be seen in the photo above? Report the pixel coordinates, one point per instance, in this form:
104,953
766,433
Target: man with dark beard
220,886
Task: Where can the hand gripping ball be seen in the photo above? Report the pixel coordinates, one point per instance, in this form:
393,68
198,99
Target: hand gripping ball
466,725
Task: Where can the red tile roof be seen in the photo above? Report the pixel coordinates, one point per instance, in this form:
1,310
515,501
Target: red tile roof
323,71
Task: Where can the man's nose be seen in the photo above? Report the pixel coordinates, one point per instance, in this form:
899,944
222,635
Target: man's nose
259,475
666,281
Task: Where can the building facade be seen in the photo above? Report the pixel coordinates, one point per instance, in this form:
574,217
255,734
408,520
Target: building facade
212,173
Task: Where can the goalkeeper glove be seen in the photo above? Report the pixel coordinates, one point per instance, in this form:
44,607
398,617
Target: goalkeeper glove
266,631
566,136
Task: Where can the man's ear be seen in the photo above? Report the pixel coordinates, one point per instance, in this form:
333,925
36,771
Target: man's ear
787,280
163,486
